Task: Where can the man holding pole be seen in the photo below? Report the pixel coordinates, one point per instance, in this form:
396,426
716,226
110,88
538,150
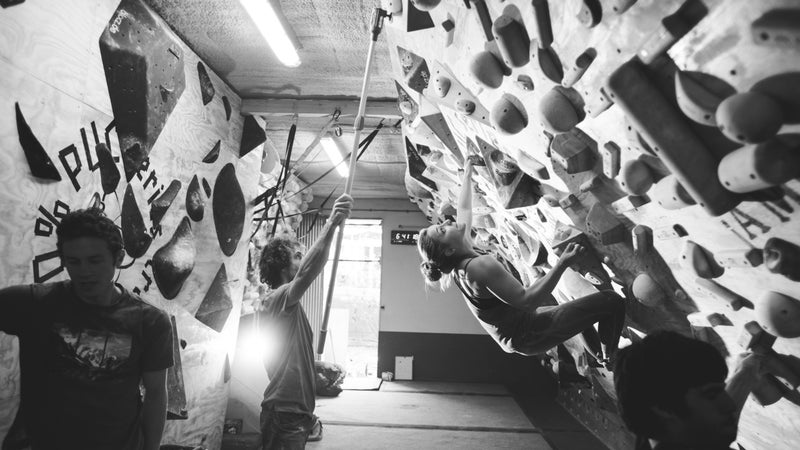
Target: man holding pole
287,411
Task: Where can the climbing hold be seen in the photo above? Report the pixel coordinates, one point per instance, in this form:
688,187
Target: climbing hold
174,262
212,155
700,261
777,27
448,26
425,5
767,391
207,90
642,238
134,233
669,193
582,63
549,64
109,173
671,29
465,106
749,117
525,82
604,226
647,291
441,85
161,204
573,151
684,154
392,6
227,105
417,19
486,69
252,136
590,184
610,154
590,14
195,203
734,300
782,257
635,177
544,31
779,314
40,164
699,94
228,209
759,166
532,167
217,304
620,6
568,202
557,113
506,117
512,40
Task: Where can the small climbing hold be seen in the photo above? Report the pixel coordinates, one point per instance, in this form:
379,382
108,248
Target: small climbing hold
426,5
441,85
700,261
591,13
610,154
465,106
582,63
525,82
642,238
782,257
749,117
670,194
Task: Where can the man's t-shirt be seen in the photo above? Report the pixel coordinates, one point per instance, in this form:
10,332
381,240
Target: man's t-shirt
81,365
291,370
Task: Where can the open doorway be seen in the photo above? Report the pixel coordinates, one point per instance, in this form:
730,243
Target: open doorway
355,312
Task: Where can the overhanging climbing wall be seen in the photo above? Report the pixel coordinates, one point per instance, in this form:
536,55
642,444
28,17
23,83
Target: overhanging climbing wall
664,134
103,105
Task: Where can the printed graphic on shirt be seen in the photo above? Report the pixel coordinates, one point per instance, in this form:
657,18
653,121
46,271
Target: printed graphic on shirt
92,354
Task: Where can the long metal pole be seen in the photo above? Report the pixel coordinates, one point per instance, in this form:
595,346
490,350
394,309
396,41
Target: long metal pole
377,23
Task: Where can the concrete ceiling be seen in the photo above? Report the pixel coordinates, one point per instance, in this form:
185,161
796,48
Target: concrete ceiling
334,35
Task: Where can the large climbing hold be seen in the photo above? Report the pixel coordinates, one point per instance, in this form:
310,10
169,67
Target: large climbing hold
512,40
506,117
635,177
749,117
40,164
760,166
573,151
143,63
678,147
699,94
669,194
647,291
557,113
425,5
779,314
228,209
486,69
544,30
174,262
604,226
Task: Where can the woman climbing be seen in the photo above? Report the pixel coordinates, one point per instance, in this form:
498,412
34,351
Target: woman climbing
520,319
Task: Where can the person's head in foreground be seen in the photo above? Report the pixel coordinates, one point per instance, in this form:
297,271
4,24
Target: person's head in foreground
671,389
90,246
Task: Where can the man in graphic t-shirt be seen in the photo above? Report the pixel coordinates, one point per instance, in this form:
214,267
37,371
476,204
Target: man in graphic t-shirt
85,346
287,411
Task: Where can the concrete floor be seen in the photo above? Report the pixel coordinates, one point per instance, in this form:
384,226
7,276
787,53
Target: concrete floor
422,416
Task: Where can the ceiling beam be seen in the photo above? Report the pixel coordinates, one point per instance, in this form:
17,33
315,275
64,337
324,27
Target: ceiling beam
317,107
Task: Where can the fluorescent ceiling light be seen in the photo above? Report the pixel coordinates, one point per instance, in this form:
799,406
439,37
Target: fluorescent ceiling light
271,27
334,148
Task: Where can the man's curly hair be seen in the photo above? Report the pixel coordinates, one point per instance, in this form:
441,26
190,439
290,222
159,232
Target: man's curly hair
658,372
277,255
90,222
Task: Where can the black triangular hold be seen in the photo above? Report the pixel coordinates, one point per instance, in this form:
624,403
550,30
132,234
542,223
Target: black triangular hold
417,20
216,305
252,135
212,156
206,86
416,166
41,165
438,125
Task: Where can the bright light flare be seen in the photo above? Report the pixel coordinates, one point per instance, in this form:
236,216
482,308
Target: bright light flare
266,19
334,148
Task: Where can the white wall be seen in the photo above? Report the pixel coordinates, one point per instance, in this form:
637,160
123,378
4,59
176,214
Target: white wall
406,305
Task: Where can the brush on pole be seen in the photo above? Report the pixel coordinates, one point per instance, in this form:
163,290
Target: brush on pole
378,15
